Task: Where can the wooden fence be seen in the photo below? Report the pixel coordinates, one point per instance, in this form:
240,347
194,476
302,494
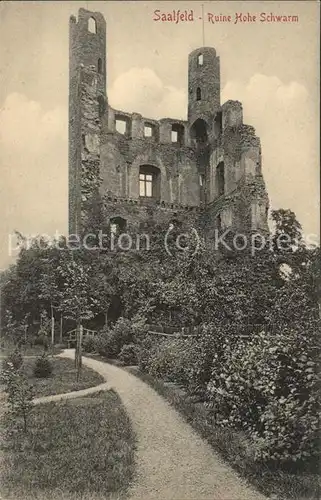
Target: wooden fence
184,332
194,331
72,335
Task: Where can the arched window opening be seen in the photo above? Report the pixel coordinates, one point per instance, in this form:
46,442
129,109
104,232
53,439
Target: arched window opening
199,131
101,105
200,60
218,124
100,66
117,225
177,134
198,94
149,182
220,180
92,27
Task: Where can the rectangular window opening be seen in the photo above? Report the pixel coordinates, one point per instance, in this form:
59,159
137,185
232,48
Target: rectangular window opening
177,134
121,126
141,188
174,136
148,131
145,185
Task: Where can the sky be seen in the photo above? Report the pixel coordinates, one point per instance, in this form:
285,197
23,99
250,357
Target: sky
272,68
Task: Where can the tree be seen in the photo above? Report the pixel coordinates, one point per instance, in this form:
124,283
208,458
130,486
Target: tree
287,236
75,299
49,289
20,395
103,283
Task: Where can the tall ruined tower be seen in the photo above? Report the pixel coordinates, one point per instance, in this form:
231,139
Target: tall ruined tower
203,104
204,92
87,103
204,171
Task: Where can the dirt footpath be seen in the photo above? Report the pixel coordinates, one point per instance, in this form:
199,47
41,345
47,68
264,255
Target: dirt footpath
173,462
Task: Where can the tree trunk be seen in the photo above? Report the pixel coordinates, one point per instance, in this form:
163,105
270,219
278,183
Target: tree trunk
60,339
80,345
52,330
77,345
79,360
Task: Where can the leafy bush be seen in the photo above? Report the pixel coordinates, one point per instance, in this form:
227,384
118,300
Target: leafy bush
185,360
268,387
145,353
139,328
122,334
204,347
43,367
42,340
14,359
88,343
168,359
265,385
110,342
128,354
104,344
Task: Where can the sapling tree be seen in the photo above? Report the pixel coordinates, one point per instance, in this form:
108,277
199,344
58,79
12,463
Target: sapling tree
20,394
75,299
49,290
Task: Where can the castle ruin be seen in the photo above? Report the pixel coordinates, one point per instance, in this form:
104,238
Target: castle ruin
206,170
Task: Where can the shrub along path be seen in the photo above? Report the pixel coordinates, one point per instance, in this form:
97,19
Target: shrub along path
173,462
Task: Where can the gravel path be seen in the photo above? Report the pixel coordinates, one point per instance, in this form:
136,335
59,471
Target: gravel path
173,462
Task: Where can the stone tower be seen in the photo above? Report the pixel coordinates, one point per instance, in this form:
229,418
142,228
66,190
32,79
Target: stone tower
204,92
205,170
87,103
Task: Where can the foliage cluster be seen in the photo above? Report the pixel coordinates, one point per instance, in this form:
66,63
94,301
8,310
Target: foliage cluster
266,385
120,339
128,354
14,359
43,367
227,295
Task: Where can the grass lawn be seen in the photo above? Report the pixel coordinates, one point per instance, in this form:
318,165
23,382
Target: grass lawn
62,379
27,350
232,446
77,449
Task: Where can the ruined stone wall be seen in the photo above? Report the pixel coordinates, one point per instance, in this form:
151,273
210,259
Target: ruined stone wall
138,213
244,204
121,156
105,163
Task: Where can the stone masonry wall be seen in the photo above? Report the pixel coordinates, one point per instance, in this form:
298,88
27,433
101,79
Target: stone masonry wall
105,163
